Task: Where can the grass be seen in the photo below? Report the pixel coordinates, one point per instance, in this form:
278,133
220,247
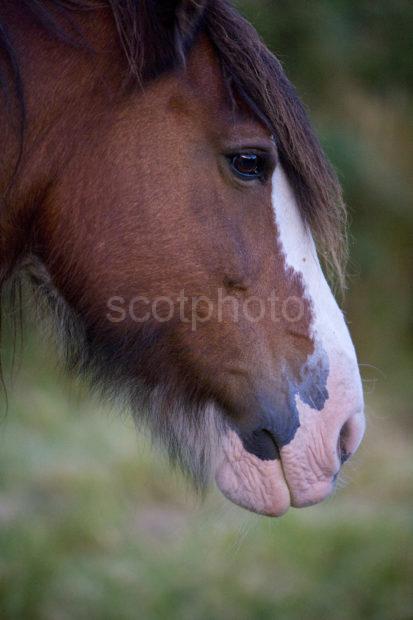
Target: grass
94,524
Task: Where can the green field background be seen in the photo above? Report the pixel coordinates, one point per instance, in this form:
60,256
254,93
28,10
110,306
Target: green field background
95,525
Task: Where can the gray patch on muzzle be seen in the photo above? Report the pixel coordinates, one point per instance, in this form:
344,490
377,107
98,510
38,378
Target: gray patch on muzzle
279,417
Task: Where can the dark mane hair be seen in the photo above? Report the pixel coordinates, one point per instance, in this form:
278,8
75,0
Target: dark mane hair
157,36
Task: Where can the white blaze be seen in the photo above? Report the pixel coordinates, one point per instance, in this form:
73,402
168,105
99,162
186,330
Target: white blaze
311,459
328,327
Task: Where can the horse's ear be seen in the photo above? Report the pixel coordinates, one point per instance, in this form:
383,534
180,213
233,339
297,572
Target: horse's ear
157,34
182,18
175,24
188,14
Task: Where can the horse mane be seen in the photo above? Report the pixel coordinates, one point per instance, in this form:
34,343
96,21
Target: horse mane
157,36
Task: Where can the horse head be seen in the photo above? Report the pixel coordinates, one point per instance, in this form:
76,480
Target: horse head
171,223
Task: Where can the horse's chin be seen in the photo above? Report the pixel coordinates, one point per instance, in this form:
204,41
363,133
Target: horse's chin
255,484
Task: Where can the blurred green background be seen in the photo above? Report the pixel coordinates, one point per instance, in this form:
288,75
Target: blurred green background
93,524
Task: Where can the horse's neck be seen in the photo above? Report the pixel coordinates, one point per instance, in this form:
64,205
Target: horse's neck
65,89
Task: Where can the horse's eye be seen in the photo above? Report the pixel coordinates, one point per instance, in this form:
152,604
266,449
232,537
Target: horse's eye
248,166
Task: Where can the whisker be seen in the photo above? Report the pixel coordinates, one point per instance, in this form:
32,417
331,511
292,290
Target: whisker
372,367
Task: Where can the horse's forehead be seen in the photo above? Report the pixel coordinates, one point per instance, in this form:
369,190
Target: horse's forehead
199,92
203,73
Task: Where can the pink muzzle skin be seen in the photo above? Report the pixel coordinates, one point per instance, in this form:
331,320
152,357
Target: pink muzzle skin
306,472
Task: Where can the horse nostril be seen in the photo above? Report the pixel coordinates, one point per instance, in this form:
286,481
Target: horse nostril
261,443
343,453
275,445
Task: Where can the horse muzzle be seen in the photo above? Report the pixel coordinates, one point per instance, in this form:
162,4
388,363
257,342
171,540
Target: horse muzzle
267,471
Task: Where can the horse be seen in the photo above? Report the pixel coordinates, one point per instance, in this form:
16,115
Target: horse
164,194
